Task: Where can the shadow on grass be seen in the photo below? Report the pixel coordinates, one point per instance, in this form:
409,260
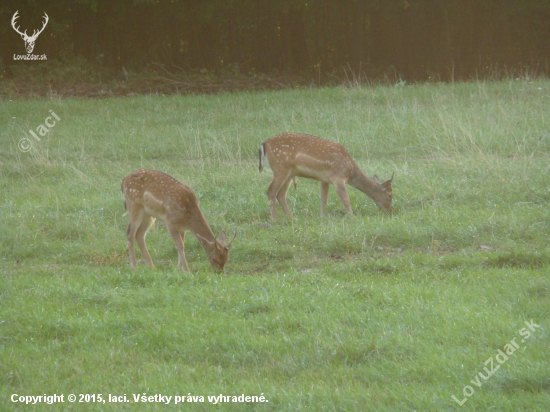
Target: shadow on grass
519,259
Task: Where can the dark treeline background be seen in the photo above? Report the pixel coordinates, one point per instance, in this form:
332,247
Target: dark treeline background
408,39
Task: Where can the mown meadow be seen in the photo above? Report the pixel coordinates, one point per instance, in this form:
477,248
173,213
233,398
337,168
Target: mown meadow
341,313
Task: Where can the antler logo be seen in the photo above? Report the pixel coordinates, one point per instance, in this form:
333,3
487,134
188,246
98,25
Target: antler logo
29,40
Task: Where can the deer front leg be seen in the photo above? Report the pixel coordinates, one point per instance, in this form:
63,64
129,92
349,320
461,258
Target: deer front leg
340,187
179,240
324,196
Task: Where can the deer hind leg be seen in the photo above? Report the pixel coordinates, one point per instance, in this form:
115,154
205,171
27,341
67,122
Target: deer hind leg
281,196
136,216
179,240
340,187
141,232
277,184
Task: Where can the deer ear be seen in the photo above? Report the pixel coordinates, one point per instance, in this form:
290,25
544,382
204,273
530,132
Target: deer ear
234,236
375,178
223,237
204,240
387,183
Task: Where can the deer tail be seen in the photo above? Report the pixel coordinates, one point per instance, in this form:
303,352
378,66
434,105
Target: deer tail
261,154
125,207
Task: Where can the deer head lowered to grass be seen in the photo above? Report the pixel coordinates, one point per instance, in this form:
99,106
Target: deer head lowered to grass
150,195
292,155
29,40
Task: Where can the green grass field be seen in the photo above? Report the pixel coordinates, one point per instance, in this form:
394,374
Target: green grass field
345,313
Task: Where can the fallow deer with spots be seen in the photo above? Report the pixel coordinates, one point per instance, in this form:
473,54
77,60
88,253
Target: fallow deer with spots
150,195
292,155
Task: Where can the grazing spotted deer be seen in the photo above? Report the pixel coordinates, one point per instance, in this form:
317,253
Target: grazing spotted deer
292,155
148,195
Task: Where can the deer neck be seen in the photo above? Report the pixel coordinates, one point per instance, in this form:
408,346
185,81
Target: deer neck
199,226
365,184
